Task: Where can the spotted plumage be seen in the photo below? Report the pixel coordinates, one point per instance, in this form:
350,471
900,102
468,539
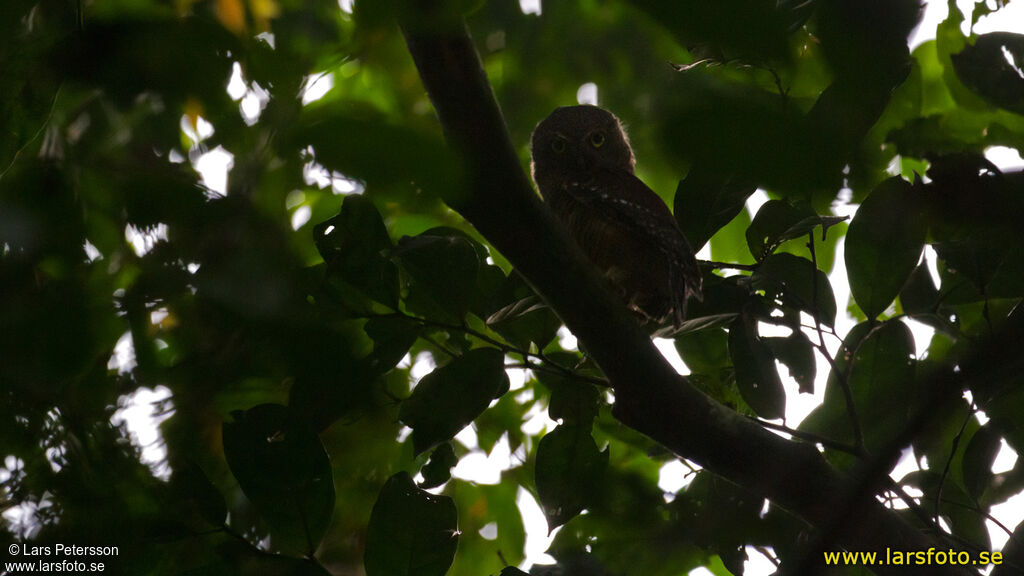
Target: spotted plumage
583,167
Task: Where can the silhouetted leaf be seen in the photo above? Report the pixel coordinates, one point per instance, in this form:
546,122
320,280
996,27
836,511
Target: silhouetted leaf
381,154
705,202
354,245
979,455
877,363
198,494
572,402
441,271
756,376
884,244
992,67
438,469
698,324
411,532
527,319
283,469
704,351
796,353
919,294
568,472
452,396
796,282
778,221
392,337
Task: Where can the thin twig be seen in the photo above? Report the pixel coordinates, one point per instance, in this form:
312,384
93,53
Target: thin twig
728,265
851,408
503,346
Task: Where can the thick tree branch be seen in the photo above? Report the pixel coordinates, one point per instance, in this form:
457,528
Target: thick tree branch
649,395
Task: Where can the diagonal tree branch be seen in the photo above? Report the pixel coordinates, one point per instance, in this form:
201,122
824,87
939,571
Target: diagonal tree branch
650,396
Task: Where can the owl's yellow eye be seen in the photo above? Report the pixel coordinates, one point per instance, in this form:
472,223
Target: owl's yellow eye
597,139
558,145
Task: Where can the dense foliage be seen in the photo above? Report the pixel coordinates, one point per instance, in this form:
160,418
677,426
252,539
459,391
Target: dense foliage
286,312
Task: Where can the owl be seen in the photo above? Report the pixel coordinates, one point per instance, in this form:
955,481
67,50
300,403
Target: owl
583,167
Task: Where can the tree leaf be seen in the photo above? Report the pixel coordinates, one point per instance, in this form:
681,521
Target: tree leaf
284,471
992,67
568,472
979,456
398,159
880,378
778,221
572,402
704,351
411,532
441,268
354,245
705,202
438,469
756,376
796,353
526,319
392,337
452,396
798,284
697,324
197,494
919,295
884,244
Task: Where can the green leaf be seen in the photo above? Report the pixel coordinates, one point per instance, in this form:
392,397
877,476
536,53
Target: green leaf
572,402
354,245
284,471
705,351
919,295
392,337
777,221
525,320
705,202
979,456
411,532
698,324
881,381
722,510
196,494
438,469
441,268
756,376
978,459
452,396
385,156
796,352
884,244
956,507
798,284
992,67
244,559
568,472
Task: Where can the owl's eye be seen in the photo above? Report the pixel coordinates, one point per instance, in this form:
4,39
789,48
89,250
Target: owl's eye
597,139
558,145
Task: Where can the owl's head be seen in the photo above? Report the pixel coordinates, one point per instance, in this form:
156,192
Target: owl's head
575,141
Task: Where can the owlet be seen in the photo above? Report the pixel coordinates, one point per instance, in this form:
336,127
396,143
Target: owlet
583,167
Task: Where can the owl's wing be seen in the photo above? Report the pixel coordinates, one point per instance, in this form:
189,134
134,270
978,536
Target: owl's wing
624,199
